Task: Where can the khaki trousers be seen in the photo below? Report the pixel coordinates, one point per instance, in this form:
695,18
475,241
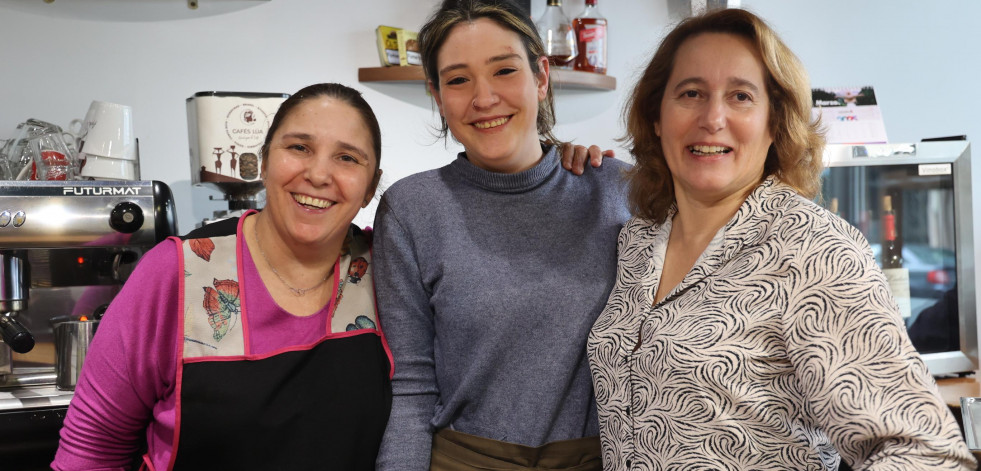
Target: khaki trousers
456,451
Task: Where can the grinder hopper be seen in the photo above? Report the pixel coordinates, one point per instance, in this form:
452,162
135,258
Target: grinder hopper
226,131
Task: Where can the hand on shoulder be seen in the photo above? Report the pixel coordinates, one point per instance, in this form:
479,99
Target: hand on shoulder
574,157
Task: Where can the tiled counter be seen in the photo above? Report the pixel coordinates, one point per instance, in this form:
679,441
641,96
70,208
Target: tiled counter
34,397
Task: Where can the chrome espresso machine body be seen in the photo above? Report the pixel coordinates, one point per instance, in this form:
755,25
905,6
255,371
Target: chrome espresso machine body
66,249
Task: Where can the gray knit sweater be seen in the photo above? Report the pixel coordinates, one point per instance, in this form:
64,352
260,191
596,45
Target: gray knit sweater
487,286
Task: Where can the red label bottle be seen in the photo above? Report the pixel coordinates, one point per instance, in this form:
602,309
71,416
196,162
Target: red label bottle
892,255
591,39
897,277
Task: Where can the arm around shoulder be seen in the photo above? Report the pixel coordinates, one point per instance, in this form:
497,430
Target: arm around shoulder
574,157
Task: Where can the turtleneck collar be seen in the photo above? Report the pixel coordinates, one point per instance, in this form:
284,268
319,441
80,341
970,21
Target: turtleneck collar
508,182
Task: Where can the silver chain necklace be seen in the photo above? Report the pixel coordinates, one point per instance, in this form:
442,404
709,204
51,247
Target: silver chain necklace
296,291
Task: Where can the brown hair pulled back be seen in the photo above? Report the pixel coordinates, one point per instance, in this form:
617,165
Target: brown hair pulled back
336,91
506,14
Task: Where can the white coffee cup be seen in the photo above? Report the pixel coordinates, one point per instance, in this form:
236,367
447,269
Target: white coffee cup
80,127
108,168
109,131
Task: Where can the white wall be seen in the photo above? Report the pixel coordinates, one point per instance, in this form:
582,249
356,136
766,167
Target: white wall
153,54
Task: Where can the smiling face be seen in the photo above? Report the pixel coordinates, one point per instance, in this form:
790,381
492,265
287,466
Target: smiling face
714,118
319,172
488,95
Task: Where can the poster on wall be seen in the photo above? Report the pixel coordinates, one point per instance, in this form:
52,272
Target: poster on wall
849,115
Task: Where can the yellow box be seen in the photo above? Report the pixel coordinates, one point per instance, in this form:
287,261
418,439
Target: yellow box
408,47
388,45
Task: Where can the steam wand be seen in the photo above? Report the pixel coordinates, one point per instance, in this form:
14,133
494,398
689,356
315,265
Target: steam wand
14,290
15,334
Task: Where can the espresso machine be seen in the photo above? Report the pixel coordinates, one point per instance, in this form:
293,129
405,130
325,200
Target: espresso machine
66,249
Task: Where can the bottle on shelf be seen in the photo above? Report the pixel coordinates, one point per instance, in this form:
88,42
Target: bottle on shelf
897,276
591,39
833,207
557,35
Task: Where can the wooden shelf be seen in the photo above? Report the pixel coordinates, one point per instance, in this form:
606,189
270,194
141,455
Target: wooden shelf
409,73
561,79
571,79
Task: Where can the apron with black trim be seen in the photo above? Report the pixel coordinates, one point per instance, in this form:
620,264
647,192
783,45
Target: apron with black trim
320,407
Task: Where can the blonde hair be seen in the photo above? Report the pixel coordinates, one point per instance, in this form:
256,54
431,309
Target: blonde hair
798,142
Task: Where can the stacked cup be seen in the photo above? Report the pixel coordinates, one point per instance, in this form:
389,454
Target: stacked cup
108,144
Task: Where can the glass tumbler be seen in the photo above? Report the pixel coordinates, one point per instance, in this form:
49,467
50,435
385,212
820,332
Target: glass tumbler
52,157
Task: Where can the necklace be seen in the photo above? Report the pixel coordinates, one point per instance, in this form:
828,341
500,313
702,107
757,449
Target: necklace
296,291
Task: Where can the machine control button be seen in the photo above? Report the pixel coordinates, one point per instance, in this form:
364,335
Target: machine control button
4,218
126,217
19,218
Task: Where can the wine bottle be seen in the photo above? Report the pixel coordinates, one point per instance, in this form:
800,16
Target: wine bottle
590,27
892,255
557,35
892,259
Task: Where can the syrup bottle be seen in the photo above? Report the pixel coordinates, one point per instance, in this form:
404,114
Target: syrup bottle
590,27
557,35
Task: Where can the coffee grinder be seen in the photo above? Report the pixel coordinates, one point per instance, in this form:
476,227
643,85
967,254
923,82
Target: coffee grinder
226,131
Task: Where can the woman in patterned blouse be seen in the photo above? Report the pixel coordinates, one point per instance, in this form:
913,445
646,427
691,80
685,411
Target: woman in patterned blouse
749,328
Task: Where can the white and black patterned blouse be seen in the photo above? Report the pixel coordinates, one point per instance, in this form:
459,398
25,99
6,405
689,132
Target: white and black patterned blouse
780,349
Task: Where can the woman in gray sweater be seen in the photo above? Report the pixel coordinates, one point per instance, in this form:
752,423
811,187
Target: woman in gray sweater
492,269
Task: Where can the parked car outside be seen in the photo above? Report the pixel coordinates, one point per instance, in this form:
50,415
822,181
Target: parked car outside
932,270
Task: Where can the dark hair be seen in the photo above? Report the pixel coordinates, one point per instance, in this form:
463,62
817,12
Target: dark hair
336,91
506,14
798,144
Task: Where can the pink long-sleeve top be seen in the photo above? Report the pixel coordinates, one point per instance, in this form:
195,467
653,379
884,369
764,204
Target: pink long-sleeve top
127,384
